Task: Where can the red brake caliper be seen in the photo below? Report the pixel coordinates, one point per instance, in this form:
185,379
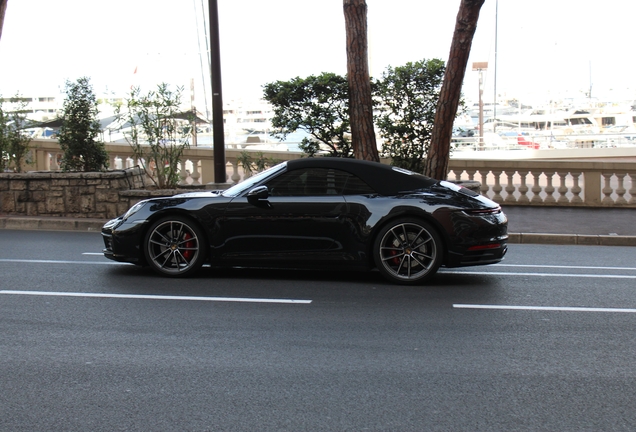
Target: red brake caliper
395,260
187,254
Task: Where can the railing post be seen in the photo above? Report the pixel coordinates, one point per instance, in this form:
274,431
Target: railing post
497,188
536,188
607,189
183,173
510,187
53,162
620,190
523,189
576,189
484,182
42,160
195,175
592,193
549,189
563,189
207,171
236,177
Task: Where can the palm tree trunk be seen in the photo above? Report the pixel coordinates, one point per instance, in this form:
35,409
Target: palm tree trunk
439,151
360,101
3,9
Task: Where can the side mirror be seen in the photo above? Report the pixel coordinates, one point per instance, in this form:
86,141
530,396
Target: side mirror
258,193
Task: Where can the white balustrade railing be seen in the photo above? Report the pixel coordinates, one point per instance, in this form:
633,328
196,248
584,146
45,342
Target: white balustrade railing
570,183
589,183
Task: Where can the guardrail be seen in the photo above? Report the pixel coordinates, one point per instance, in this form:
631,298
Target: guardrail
550,183
565,182
197,161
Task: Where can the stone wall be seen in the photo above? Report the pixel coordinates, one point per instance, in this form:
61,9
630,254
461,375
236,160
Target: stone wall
99,195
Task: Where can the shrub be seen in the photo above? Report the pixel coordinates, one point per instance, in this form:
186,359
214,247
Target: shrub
80,128
157,131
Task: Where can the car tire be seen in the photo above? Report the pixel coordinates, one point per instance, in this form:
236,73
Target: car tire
175,246
408,251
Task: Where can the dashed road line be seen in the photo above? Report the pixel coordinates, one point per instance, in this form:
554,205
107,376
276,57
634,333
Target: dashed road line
544,308
568,275
154,297
564,267
39,261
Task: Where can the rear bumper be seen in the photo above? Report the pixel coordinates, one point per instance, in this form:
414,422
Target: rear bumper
490,253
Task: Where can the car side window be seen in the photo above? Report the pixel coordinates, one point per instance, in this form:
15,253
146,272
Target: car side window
317,182
355,186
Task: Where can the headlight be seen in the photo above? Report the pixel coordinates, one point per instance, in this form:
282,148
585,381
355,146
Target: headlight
134,209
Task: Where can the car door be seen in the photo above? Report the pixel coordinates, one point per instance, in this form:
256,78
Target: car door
298,219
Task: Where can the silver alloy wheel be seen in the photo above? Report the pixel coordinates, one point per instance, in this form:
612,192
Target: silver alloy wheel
408,252
173,247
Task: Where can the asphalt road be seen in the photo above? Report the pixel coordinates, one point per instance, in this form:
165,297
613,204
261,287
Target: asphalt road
543,342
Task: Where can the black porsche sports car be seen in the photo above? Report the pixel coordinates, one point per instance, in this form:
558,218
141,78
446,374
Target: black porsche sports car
315,212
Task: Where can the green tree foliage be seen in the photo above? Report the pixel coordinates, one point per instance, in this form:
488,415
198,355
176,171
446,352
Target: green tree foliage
14,142
407,98
253,165
158,131
80,129
318,105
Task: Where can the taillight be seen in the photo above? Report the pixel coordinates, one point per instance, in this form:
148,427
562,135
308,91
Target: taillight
482,212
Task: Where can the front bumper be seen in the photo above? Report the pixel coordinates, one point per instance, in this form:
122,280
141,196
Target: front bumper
122,241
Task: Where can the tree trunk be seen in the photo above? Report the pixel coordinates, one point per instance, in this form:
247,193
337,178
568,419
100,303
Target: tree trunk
439,152
360,102
3,9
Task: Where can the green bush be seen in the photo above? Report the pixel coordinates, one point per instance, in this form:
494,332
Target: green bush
80,128
157,131
14,141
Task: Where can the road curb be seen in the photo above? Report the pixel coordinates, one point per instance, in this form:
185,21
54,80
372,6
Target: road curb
571,239
50,224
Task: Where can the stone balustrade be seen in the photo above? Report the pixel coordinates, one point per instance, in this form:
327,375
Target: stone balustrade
589,182
551,183
198,161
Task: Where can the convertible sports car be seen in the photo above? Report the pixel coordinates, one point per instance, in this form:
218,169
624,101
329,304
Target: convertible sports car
315,212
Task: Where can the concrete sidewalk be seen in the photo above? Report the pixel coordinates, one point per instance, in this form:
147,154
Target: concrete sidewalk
571,225
526,224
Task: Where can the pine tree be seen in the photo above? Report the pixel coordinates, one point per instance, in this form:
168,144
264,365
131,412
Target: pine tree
80,128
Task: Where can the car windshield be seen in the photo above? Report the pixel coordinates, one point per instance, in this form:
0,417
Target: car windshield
248,183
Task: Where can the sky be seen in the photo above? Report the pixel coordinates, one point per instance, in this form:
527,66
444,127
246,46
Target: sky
545,49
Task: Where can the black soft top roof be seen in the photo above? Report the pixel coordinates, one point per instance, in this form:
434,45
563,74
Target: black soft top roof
384,179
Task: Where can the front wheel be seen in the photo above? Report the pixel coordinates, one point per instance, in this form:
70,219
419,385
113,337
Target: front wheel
408,251
175,246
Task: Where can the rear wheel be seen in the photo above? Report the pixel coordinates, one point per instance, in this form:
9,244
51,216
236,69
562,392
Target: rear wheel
175,246
408,251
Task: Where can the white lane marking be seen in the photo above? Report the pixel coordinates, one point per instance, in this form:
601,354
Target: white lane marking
564,267
29,261
93,253
544,308
155,297
570,275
